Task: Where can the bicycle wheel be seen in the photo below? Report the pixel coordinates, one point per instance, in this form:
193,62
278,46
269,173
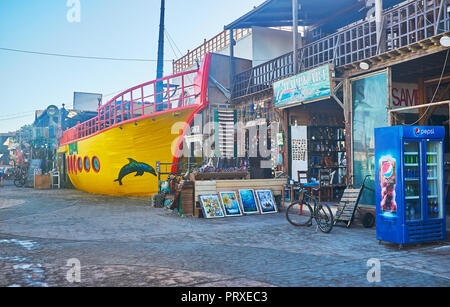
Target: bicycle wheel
299,214
324,218
19,182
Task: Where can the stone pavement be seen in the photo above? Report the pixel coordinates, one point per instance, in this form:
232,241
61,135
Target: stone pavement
125,242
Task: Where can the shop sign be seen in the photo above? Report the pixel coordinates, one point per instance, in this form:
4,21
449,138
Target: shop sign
405,95
309,86
280,139
52,111
299,150
73,149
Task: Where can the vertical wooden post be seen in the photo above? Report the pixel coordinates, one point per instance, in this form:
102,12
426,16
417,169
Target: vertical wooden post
285,128
422,100
391,121
348,128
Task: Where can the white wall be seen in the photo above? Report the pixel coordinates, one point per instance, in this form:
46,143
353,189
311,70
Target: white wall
262,45
243,48
270,43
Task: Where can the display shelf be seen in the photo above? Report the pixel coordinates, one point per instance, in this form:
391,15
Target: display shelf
327,167
326,140
324,152
412,197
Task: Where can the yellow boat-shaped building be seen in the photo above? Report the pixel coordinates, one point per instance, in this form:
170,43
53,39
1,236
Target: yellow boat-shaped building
116,152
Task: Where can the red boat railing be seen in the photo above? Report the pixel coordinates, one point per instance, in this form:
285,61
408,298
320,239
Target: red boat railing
171,93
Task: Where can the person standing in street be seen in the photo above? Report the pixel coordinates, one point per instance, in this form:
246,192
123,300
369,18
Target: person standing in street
2,174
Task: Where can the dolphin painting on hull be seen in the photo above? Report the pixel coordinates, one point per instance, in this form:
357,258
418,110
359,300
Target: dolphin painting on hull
134,167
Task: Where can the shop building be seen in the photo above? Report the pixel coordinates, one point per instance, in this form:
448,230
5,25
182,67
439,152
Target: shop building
387,63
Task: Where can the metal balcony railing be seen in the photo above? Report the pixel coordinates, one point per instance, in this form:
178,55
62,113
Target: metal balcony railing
218,42
404,24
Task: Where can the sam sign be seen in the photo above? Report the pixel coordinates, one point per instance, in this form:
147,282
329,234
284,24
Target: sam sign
311,85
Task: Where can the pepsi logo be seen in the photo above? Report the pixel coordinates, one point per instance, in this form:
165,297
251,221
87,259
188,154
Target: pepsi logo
388,170
421,132
417,131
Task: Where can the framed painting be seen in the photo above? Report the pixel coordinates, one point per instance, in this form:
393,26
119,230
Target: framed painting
266,201
248,201
211,206
230,203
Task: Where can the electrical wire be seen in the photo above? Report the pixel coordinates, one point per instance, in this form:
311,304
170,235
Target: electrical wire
78,56
17,117
173,41
171,47
15,114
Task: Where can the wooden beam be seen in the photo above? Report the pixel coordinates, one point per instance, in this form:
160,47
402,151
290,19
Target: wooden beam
347,88
441,96
392,61
422,98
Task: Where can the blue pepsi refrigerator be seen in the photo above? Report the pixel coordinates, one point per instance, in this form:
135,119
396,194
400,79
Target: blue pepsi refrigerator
409,163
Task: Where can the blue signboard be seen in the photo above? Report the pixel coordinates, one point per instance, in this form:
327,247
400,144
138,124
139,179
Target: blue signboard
308,86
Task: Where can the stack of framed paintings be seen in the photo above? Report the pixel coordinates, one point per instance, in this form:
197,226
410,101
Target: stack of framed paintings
228,204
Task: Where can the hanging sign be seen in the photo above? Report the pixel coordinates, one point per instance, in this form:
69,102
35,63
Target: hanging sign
299,150
308,86
52,111
73,149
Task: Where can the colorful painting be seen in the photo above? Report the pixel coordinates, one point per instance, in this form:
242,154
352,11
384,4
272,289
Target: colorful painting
266,201
310,85
230,203
211,206
248,201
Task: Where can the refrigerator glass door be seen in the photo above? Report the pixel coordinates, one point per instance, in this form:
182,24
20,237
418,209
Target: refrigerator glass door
412,179
435,195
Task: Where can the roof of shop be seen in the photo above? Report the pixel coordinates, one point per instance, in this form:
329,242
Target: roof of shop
277,13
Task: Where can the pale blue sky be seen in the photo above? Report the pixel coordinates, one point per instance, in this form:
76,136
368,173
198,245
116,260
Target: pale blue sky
108,28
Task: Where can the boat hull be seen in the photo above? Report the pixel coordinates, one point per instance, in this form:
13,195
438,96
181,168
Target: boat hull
122,160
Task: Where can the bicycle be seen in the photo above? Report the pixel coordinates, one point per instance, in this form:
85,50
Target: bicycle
20,177
301,213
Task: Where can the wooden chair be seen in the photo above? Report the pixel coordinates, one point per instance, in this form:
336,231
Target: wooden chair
325,186
303,178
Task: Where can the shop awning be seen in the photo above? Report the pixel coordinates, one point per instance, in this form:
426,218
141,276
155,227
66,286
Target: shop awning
333,14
